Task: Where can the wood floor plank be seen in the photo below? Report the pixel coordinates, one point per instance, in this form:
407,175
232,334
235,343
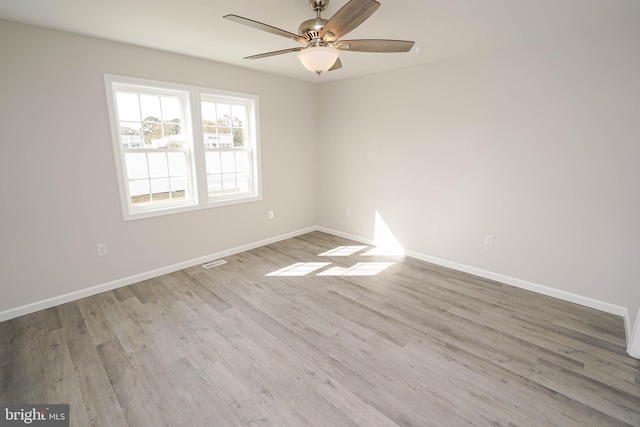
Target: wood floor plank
60,377
292,334
96,322
138,400
100,402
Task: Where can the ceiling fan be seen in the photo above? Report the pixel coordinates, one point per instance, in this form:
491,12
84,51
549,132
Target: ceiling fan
322,36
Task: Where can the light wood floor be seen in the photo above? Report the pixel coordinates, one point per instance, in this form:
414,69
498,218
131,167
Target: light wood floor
249,343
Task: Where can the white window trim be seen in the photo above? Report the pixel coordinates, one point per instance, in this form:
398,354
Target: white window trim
196,151
252,116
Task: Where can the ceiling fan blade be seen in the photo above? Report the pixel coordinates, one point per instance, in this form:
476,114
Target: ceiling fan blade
274,53
347,18
337,65
375,45
264,27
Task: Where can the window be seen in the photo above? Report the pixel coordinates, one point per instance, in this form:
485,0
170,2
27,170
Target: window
228,151
180,148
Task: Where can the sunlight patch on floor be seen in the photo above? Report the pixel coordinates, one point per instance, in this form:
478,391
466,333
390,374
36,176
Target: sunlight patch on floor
299,269
343,251
360,269
386,244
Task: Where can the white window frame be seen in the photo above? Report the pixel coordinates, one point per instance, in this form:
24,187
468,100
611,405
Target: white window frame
195,148
250,136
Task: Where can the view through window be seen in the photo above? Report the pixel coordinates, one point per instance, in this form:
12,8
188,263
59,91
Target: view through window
181,147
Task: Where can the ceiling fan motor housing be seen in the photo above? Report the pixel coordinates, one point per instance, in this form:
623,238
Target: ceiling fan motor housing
311,28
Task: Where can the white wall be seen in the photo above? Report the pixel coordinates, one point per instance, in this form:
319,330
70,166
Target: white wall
58,186
537,146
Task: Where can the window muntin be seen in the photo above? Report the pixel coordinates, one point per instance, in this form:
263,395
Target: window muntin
180,147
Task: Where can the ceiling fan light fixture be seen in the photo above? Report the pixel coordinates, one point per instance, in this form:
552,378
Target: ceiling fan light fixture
318,59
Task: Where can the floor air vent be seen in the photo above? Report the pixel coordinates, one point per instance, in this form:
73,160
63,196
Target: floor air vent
214,264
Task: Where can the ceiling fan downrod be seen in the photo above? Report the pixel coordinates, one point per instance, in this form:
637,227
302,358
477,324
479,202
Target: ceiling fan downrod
311,29
318,5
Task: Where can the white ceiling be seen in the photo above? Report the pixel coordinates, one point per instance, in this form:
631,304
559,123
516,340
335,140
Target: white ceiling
443,29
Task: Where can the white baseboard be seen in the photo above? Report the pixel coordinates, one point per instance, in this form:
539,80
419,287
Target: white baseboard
344,235
519,283
634,342
632,339
104,287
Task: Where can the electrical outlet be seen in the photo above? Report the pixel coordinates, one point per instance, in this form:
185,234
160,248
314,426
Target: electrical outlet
270,214
348,211
488,240
101,248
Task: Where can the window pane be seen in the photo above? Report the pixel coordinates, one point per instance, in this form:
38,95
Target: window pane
210,140
238,137
160,187
214,184
171,109
228,161
244,181
239,113
224,139
177,164
130,128
137,188
130,134
158,165
223,114
136,165
208,112
229,182
213,162
178,187
150,105
178,195
152,133
242,161
128,107
172,136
